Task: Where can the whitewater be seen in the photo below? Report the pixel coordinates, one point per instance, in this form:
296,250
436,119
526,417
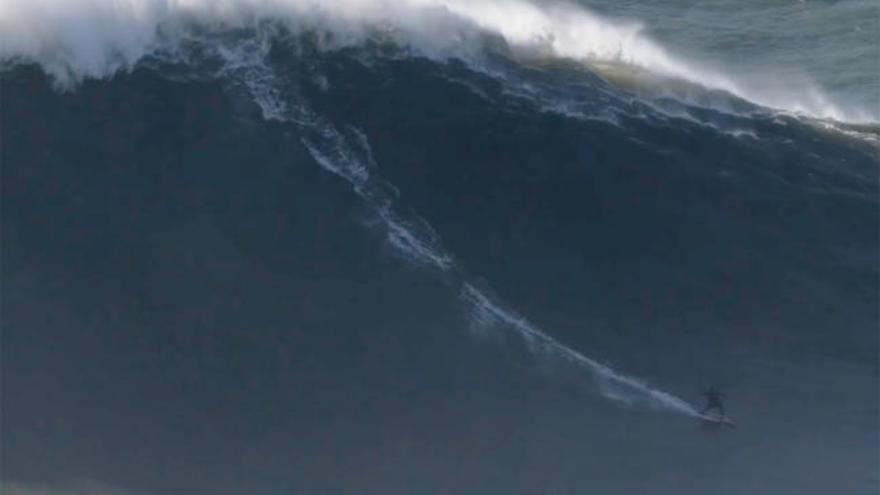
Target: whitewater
98,38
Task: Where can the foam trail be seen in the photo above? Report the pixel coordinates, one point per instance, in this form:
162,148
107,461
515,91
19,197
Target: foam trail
345,154
416,248
490,312
348,155
97,38
335,155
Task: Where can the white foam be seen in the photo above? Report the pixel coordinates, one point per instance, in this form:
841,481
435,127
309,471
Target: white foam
94,38
352,161
616,386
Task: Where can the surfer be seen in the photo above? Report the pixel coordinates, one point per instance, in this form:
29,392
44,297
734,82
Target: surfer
713,401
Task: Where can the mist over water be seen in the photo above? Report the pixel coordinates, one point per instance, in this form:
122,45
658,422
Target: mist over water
430,247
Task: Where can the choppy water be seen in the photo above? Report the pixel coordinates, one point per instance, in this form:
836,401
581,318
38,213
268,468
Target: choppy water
438,247
825,54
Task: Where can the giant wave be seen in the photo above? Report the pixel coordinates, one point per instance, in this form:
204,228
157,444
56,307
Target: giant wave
245,45
292,243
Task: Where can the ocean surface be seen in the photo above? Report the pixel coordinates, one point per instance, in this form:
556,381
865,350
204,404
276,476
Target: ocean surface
439,247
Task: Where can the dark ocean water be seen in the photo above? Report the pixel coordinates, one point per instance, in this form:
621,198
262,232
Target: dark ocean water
253,265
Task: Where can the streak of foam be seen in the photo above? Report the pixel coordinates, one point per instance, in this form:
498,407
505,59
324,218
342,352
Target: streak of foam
348,156
614,385
345,154
331,149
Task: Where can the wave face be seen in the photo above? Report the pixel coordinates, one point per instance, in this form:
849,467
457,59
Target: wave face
422,247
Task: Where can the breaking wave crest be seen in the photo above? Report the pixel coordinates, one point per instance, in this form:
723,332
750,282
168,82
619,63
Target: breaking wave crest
97,38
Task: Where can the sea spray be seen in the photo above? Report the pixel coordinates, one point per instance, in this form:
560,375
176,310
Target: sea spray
98,38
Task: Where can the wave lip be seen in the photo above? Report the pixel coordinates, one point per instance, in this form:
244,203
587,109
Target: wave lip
97,38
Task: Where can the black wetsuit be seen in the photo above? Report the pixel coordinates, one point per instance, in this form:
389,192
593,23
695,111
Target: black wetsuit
713,401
